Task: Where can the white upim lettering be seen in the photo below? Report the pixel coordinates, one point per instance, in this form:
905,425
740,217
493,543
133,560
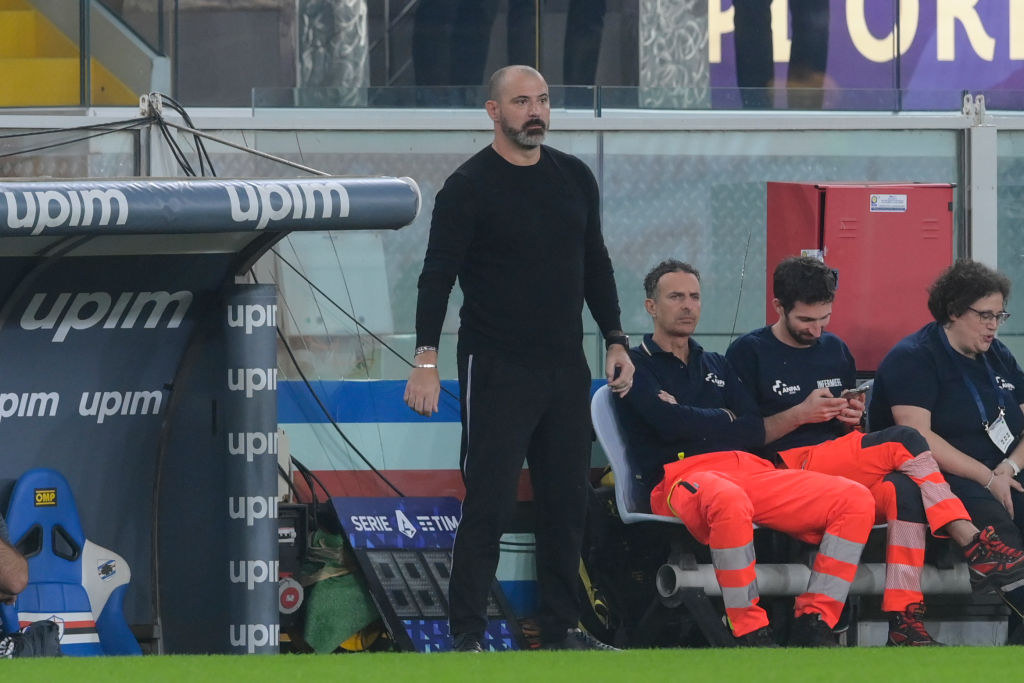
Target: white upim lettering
104,404
273,202
252,636
36,404
251,380
72,208
251,572
251,508
251,444
251,316
85,310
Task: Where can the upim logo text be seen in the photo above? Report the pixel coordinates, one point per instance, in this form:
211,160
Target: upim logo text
251,508
250,443
251,572
29,405
275,202
72,208
104,404
88,309
252,315
251,380
252,636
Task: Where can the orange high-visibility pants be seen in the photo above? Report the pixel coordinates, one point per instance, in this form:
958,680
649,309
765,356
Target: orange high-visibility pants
867,459
719,496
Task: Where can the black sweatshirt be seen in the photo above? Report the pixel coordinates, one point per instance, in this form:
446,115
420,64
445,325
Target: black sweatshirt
526,245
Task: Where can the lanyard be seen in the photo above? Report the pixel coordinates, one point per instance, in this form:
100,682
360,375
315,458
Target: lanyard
967,380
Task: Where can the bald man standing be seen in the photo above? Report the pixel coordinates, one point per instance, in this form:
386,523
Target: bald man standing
519,225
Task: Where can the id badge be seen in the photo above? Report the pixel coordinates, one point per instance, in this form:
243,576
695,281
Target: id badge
1000,433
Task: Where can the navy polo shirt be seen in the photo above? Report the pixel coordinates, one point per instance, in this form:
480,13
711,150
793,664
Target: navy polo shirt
920,371
781,376
656,431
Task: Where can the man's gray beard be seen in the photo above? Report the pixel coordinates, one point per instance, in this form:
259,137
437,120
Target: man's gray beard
524,139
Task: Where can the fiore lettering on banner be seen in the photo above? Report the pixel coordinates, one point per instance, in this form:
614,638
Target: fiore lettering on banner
104,404
251,380
84,310
44,209
251,444
25,404
252,636
252,316
251,572
269,202
251,508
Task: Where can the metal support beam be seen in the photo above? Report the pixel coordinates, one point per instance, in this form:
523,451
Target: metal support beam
791,579
981,180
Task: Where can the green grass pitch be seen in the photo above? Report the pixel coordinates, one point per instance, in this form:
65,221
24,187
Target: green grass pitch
904,665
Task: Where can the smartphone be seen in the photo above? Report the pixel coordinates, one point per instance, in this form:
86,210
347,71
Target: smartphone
858,392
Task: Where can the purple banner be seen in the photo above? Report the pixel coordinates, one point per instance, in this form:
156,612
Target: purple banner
944,46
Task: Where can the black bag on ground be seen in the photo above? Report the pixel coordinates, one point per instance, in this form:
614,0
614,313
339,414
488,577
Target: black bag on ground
38,639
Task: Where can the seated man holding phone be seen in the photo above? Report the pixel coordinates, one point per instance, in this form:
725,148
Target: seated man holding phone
795,369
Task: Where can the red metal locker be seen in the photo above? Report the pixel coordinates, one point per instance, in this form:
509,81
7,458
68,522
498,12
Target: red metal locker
887,241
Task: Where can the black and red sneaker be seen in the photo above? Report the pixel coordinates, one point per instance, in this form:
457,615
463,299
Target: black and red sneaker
993,564
906,628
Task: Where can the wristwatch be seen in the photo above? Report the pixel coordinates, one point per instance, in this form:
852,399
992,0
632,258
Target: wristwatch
617,339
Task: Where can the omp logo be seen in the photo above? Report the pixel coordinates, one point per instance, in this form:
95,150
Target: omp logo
252,636
251,572
1000,382
268,202
251,444
783,389
46,498
251,508
104,404
73,208
36,404
251,380
88,309
712,378
251,316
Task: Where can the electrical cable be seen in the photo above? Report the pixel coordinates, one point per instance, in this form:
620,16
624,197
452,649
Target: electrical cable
350,316
41,148
91,126
326,412
200,147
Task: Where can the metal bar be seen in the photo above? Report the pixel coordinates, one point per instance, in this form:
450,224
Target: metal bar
84,51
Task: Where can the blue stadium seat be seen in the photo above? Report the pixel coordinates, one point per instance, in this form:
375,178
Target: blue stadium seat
71,580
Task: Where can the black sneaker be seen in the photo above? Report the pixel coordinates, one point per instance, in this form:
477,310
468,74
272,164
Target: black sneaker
467,642
906,628
762,637
810,630
577,639
993,564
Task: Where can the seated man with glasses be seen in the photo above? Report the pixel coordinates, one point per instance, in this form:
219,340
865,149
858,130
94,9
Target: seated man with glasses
962,389
797,373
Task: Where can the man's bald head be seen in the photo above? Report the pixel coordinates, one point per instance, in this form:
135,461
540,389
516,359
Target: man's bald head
499,78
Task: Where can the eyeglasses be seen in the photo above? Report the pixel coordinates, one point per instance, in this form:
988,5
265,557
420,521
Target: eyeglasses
988,316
